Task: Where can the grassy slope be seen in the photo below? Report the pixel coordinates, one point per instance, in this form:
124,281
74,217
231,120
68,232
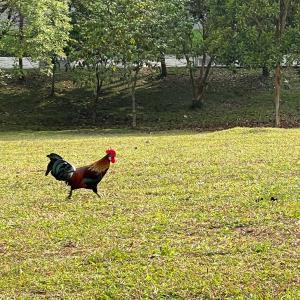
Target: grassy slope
178,218
239,99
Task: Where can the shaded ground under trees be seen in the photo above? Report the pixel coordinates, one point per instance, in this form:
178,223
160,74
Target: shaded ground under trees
240,98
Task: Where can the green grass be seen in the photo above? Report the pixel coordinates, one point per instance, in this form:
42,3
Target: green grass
232,99
178,217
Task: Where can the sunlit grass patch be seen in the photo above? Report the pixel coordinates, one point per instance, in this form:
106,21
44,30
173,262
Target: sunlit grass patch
181,216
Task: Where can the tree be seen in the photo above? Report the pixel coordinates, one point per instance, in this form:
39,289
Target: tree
12,21
201,11
143,34
95,45
268,35
118,38
201,35
6,18
167,15
138,30
40,30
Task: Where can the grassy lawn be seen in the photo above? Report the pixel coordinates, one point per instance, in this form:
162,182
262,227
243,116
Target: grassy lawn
182,216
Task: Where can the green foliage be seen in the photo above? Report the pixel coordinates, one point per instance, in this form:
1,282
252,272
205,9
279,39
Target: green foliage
45,32
257,32
115,40
2,78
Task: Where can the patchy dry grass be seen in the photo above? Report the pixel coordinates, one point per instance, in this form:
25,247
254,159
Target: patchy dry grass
182,216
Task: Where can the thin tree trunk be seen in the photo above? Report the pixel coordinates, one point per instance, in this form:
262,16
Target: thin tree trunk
21,39
52,92
192,77
202,65
133,101
277,94
164,72
280,28
99,83
202,79
133,109
20,64
202,83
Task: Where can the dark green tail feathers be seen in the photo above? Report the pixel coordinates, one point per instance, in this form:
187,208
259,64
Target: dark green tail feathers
54,156
60,168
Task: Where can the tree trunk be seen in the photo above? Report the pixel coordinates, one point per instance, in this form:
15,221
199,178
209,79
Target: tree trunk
192,77
163,73
133,101
21,39
52,92
202,65
133,109
99,83
280,28
277,94
20,64
202,82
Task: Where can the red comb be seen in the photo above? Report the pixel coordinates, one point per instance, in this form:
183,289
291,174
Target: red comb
112,153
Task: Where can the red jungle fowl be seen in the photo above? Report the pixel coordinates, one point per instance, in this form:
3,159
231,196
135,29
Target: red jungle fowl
86,177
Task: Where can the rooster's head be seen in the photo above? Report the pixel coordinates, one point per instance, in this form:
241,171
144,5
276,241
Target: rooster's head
111,155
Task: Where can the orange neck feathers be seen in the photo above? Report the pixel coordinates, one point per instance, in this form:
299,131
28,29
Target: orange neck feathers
100,165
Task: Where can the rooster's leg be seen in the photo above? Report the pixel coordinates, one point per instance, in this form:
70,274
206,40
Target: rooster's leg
96,192
70,194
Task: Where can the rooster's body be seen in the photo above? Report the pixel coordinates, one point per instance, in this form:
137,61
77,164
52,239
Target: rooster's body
87,177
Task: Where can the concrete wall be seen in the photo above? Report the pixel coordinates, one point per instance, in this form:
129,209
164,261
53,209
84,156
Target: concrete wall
10,62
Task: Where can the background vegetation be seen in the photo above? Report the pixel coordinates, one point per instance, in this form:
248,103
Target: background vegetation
162,104
116,50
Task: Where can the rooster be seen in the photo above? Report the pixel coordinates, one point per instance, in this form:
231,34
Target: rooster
86,177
